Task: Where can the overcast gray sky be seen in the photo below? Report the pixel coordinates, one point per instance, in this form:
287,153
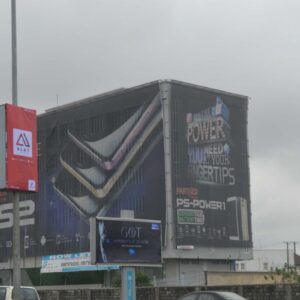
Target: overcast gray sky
79,48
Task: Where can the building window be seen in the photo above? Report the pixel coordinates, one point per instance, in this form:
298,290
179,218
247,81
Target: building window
266,266
242,267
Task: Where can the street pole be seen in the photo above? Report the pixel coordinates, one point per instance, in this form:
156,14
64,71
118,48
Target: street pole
287,256
14,53
295,265
128,287
14,194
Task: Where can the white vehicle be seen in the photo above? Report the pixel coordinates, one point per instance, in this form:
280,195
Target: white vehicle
27,293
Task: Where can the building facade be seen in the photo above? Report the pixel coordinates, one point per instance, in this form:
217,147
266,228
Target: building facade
166,150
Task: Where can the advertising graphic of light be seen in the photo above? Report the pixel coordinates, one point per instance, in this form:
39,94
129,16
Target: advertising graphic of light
155,226
131,251
226,149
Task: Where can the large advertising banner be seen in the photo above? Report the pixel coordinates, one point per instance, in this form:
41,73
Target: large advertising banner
128,242
210,163
105,154
72,262
96,157
20,149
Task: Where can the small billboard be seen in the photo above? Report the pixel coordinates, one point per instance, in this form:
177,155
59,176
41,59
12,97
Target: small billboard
72,262
18,149
132,242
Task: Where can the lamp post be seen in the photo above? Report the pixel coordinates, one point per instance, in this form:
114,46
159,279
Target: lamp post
14,195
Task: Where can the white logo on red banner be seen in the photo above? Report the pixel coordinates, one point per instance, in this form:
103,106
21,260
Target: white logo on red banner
22,142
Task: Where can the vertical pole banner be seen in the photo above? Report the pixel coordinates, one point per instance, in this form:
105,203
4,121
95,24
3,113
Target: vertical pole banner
21,164
2,147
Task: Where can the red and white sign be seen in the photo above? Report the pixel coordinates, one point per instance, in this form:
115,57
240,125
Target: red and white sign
21,164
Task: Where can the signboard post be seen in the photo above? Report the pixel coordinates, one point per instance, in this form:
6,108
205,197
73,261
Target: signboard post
18,168
128,287
21,156
18,165
128,291
15,195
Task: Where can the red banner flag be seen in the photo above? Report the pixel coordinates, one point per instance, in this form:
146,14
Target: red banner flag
21,165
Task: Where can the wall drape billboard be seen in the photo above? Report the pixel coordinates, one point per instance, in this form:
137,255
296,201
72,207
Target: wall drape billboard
96,158
210,168
106,153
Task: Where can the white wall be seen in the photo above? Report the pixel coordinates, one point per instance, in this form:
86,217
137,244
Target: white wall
266,260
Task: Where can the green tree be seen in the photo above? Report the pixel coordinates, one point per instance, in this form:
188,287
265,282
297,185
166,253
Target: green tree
141,279
288,275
